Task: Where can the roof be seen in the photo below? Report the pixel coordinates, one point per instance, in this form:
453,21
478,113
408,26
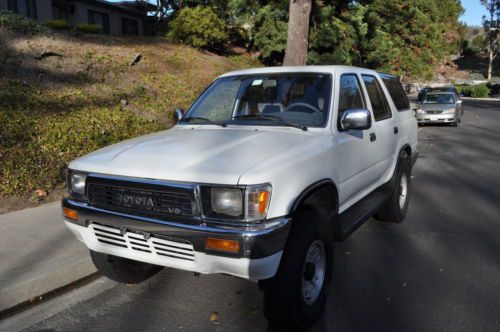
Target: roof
298,69
129,7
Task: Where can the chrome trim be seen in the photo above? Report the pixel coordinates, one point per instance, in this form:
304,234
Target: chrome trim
245,230
181,185
198,214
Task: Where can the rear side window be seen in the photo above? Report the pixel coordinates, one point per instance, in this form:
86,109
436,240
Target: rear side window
380,106
396,91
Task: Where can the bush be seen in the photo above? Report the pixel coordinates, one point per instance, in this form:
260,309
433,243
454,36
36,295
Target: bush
88,28
58,24
475,91
199,27
18,23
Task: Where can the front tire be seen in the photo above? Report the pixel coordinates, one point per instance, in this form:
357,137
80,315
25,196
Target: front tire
123,270
394,210
296,296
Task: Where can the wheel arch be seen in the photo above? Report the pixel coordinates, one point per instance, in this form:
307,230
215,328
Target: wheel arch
321,196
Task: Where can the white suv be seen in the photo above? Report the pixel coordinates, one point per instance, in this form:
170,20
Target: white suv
256,180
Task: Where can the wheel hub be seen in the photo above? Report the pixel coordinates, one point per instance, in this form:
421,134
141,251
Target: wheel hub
314,272
403,191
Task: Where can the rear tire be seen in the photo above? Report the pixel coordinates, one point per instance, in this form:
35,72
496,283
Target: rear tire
394,210
123,270
296,296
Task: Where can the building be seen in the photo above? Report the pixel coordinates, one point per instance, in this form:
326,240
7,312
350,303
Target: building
116,18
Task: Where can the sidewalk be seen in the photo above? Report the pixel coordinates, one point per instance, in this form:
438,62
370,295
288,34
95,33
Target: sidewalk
38,254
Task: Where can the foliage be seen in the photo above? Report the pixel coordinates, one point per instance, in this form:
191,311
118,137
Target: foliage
198,27
58,24
476,91
272,34
18,23
88,28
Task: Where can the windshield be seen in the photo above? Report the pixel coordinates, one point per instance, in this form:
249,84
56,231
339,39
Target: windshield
439,99
265,100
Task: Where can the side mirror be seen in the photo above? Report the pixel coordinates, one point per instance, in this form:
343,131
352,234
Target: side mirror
459,101
178,114
357,119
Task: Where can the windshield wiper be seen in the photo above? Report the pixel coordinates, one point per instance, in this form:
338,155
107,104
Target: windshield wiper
205,121
272,118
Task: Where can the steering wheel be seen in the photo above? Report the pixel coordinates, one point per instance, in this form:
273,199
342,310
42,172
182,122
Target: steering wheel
309,106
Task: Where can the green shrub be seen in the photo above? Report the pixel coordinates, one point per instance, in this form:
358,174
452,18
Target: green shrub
58,24
88,28
199,27
17,23
480,91
475,91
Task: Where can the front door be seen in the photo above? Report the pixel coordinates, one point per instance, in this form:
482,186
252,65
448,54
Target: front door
356,149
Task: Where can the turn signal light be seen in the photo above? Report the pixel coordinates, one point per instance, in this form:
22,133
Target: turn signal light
222,245
70,213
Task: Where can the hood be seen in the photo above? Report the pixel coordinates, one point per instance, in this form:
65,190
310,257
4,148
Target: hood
191,154
437,107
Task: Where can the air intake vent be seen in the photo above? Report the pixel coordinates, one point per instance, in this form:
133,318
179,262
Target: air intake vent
152,244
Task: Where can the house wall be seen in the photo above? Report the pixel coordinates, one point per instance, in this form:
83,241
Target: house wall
115,17
44,13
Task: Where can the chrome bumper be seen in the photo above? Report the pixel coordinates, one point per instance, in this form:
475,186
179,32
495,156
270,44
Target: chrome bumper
257,242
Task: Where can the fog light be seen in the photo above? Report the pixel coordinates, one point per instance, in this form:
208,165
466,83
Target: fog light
222,245
70,214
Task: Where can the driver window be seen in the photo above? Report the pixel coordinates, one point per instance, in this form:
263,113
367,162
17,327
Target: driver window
350,95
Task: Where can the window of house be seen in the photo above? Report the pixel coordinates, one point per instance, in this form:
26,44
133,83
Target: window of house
380,106
31,8
59,11
12,5
99,18
129,26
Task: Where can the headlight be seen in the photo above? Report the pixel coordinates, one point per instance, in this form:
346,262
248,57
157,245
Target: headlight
77,183
450,111
420,111
248,205
227,201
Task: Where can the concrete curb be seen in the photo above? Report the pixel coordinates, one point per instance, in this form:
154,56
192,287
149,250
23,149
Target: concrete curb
482,99
38,255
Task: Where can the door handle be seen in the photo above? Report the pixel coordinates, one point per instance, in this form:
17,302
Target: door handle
373,137
396,130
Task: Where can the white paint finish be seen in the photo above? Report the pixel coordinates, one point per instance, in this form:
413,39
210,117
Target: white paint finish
288,158
254,269
201,154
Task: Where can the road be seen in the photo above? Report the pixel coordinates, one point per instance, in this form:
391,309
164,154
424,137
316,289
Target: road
438,271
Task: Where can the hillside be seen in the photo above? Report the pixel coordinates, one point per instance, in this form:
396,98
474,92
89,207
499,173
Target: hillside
85,95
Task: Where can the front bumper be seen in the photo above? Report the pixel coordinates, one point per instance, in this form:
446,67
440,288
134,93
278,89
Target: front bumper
435,118
178,245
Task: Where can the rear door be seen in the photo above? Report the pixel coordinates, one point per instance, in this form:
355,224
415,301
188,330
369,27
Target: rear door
356,150
385,123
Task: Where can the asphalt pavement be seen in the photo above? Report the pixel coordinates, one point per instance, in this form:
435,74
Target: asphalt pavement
438,271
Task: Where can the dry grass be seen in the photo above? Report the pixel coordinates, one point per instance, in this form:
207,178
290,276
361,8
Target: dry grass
58,108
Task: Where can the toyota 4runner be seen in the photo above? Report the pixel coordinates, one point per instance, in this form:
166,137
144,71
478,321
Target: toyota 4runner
258,178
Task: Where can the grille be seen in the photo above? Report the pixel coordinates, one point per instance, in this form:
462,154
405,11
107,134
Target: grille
434,112
154,245
160,203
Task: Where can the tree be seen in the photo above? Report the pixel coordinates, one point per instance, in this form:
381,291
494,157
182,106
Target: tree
298,33
492,28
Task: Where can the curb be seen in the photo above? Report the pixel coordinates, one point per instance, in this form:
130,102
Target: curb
482,99
35,289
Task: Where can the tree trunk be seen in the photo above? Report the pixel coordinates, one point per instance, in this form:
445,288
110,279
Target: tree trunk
298,33
490,62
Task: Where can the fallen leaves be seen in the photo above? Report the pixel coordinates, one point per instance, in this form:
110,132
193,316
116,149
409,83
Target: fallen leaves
214,317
